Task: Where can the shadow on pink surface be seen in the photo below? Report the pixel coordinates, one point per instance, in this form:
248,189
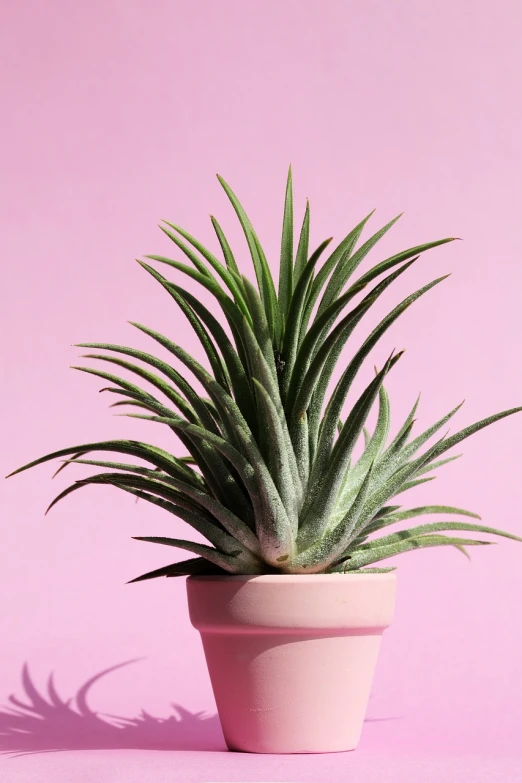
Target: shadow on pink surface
47,723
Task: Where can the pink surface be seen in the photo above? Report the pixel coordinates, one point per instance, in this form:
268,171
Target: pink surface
117,114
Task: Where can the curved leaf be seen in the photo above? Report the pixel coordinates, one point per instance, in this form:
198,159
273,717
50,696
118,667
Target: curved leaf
276,533
161,459
433,527
318,557
228,278
290,343
236,368
228,255
343,248
287,251
161,494
335,405
359,559
354,477
322,497
195,565
226,562
302,248
262,270
281,458
348,263
189,474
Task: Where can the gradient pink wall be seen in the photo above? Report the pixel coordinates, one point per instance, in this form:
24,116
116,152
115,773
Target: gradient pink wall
117,114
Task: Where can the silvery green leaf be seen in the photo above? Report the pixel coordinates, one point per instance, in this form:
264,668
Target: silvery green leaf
438,464
265,374
373,445
342,250
316,342
262,270
448,443
228,255
287,250
260,326
225,275
302,248
319,506
400,439
320,555
383,491
186,473
226,562
166,496
189,393
219,368
307,376
433,527
293,324
195,565
421,439
229,307
281,458
392,518
348,263
394,458
177,399
206,280
214,471
335,405
275,531
249,474
411,484
235,366
359,559
234,526
145,451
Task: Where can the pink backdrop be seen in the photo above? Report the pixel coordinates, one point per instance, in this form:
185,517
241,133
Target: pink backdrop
117,114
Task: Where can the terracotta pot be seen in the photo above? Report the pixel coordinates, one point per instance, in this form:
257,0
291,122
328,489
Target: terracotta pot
291,658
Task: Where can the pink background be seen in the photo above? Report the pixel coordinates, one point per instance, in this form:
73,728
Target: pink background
117,114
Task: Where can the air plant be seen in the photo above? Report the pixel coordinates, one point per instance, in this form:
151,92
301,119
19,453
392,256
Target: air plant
270,479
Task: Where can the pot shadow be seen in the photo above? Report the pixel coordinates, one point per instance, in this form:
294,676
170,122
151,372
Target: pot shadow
47,723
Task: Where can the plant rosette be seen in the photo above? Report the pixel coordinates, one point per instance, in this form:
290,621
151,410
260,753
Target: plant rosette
281,477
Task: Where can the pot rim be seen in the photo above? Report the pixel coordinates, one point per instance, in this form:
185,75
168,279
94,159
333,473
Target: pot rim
289,578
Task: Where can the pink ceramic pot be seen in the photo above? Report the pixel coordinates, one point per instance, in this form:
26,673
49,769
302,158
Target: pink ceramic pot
291,658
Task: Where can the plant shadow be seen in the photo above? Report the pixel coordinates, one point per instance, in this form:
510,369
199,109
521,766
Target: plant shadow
45,722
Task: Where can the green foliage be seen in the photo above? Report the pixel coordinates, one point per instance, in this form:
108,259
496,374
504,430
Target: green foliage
270,479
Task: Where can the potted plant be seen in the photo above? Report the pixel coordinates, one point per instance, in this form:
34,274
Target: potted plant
289,594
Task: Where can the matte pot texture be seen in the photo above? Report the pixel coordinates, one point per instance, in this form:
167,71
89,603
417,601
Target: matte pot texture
291,658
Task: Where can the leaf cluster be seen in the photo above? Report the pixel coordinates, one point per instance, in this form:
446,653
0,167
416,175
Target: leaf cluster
270,480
